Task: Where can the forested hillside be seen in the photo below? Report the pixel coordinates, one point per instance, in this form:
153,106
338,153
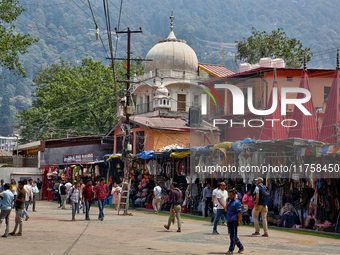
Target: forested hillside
66,29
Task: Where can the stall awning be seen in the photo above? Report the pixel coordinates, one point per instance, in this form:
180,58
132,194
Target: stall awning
108,157
180,154
222,145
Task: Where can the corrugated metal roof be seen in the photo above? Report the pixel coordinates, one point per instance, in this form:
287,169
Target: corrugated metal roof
5,153
216,70
332,113
306,127
273,129
168,123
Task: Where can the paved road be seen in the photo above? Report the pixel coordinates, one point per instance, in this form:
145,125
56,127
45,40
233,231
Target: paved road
50,231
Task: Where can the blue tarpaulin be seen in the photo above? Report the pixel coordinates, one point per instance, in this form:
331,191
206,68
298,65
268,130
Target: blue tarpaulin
146,154
243,145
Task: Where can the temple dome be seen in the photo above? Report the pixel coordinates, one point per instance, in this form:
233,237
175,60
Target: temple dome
171,54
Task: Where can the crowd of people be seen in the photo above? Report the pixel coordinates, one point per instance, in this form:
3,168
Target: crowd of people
18,197
81,196
227,205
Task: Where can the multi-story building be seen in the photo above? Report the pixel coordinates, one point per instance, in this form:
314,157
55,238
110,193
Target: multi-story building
8,143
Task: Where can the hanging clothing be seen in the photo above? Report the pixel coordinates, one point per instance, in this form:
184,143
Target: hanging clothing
152,167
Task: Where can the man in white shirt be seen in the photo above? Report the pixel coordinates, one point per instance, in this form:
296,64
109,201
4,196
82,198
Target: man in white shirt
221,197
68,185
156,202
75,196
214,200
28,198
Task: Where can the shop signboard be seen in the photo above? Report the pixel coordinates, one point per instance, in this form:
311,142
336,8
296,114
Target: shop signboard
78,158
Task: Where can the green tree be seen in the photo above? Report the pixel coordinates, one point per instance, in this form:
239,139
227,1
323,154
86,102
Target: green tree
73,100
6,125
12,44
276,44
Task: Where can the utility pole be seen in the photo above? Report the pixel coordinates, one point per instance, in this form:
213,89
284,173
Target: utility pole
128,95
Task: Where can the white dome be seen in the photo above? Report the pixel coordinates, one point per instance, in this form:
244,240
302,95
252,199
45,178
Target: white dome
161,92
171,54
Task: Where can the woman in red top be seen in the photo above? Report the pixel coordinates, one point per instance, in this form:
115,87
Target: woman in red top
249,201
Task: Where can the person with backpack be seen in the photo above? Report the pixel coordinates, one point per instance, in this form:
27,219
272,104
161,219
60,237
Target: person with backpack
74,195
261,201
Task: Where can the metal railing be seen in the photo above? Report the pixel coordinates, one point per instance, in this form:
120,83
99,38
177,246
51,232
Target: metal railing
26,161
6,160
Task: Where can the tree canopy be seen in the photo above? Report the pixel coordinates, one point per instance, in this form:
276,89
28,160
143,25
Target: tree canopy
12,44
72,100
276,44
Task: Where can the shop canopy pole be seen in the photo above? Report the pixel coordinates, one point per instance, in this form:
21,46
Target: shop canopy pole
190,186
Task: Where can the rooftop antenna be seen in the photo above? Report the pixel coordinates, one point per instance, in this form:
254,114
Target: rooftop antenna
337,60
172,21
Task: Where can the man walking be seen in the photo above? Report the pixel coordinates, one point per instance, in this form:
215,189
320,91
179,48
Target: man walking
221,197
19,204
102,191
82,205
234,217
35,191
75,196
28,198
156,202
176,202
39,186
207,198
63,194
88,192
59,193
260,207
214,199
6,203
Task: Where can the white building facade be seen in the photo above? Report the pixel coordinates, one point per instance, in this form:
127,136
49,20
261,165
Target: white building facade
170,84
8,143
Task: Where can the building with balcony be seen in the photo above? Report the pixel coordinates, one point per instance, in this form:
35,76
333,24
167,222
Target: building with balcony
172,80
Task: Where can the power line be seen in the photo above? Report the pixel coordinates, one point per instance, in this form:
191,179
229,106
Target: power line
56,39
123,12
120,13
97,27
52,29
